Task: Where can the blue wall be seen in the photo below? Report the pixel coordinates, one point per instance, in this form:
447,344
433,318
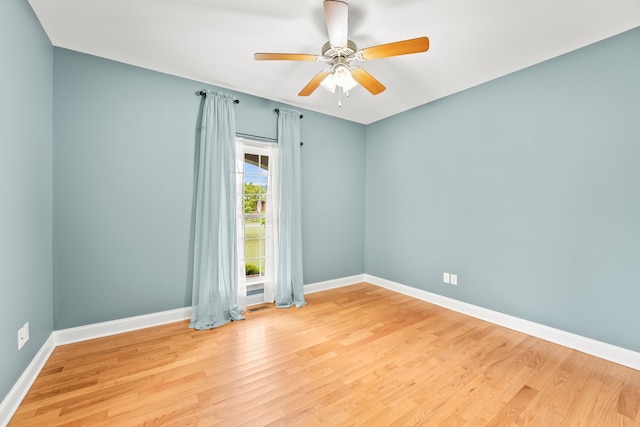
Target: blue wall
527,187
123,181
25,187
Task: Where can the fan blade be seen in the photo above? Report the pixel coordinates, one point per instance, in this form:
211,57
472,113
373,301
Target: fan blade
314,83
421,44
336,14
285,56
367,81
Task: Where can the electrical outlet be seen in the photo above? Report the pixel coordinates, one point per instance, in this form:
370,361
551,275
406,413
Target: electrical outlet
23,335
454,279
445,277
20,338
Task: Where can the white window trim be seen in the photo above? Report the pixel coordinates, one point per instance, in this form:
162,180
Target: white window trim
266,149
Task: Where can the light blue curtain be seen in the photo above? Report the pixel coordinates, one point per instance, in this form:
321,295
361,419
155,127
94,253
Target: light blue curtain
289,285
215,258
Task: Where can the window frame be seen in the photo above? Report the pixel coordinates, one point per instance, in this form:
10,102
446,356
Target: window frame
249,288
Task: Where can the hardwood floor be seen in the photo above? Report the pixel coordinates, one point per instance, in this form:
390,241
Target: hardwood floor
359,355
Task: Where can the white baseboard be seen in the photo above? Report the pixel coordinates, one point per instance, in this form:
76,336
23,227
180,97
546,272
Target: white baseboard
599,349
254,300
332,284
590,346
314,287
103,329
19,390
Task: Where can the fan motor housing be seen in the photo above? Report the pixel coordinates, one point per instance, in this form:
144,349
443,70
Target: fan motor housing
332,52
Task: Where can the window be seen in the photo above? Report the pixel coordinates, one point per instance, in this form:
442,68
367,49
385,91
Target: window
256,183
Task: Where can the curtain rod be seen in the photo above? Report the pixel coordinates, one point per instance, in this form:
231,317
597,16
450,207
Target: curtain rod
203,93
262,138
277,110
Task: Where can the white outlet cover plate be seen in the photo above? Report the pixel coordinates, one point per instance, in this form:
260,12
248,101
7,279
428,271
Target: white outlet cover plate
20,338
454,279
445,277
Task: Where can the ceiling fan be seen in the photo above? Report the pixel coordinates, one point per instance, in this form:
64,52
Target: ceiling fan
341,53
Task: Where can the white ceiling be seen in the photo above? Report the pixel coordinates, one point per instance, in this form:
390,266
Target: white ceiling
213,41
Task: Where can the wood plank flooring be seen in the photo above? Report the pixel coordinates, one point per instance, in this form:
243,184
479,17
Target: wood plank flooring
358,355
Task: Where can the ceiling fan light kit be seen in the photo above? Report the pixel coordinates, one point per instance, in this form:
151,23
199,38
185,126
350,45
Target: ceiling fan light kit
341,52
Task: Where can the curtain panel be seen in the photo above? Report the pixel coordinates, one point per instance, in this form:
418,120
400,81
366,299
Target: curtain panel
289,284
215,257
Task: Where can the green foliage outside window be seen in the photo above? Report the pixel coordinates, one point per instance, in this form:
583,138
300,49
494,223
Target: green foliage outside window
252,194
251,269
